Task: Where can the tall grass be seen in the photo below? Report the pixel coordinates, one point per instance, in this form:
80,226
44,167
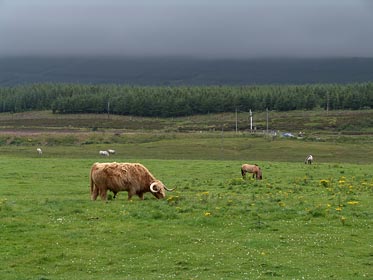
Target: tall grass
299,222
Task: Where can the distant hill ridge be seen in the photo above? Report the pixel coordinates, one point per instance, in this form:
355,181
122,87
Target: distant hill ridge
176,71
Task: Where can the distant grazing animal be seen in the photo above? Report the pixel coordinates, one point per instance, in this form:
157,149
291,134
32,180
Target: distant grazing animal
40,152
251,168
104,153
309,159
111,151
134,178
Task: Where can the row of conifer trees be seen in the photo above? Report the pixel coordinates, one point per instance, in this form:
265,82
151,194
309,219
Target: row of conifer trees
182,100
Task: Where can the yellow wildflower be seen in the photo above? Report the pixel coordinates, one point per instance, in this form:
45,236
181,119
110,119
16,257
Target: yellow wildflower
282,204
353,202
324,182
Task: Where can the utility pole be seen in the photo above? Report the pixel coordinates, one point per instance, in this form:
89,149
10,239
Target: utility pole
251,121
267,120
108,109
222,143
236,122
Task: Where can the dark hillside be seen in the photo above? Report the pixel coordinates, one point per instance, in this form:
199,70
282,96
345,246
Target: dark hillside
182,71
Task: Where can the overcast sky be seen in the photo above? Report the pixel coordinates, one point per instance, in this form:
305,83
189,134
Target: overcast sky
201,28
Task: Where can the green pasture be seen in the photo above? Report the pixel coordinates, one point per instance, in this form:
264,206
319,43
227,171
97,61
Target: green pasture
212,146
300,222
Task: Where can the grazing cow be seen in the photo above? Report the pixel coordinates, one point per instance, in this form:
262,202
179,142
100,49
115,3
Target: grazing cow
110,151
251,168
131,177
309,159
104,153
40,152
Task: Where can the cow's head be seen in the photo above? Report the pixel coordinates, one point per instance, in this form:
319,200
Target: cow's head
158,189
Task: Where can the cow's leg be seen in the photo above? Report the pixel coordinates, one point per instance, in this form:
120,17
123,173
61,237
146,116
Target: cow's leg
130,194
95,192
141,195
103,194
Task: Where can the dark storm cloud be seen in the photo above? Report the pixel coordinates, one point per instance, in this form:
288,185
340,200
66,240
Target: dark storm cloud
188,28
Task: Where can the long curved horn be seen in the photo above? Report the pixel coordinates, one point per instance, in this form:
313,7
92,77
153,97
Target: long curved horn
152,187
170,190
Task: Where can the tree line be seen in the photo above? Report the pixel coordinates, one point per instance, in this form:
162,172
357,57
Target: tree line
182,100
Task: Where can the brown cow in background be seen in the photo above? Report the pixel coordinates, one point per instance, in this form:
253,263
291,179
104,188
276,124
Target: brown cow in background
131,177
251,168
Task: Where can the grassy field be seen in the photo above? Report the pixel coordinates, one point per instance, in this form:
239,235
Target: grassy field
299,222
317,123
202,146
337,136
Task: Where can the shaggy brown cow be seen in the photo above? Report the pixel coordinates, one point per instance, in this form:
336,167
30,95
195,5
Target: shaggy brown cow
251,168
131,177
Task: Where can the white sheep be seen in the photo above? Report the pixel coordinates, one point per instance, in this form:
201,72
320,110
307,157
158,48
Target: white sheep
104,153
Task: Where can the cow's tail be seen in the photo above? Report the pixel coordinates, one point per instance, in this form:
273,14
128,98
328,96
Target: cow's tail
92,184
